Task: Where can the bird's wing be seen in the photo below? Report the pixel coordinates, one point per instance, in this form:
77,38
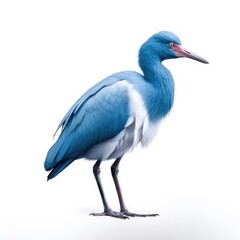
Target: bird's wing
91,92
100,114
125,75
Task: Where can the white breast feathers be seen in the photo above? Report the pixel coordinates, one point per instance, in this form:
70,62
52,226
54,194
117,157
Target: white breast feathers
137,129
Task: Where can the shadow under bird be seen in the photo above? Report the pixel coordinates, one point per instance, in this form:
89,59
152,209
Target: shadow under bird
117,114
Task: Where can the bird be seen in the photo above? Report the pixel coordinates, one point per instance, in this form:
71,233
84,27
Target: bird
118,113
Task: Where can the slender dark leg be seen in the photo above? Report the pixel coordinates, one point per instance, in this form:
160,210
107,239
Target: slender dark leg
123,209
107,210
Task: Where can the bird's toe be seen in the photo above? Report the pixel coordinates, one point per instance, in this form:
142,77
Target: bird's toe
130,214
110,213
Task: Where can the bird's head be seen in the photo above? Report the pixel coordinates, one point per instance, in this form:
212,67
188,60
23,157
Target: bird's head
167,46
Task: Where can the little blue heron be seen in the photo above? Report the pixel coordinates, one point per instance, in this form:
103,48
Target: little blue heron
116,114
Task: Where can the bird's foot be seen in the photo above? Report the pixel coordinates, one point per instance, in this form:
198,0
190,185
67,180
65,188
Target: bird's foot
110,213
125,212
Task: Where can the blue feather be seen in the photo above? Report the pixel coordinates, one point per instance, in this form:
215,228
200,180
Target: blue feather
99,115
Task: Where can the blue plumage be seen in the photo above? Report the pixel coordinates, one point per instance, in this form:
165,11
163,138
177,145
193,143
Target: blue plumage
119,112
92,120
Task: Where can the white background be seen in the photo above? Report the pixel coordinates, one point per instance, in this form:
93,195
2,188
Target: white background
51,52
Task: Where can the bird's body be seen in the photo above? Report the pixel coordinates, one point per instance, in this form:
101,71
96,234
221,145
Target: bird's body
109,120
119,112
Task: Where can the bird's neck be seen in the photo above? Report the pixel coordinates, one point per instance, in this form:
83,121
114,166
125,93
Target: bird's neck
160,99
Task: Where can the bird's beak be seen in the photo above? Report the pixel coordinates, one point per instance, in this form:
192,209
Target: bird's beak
181,52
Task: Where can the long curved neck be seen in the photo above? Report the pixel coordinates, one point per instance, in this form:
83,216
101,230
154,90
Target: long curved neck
160,99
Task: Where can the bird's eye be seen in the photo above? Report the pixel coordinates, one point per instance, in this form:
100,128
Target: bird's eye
171,44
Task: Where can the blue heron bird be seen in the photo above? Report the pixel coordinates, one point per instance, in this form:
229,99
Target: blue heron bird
117,114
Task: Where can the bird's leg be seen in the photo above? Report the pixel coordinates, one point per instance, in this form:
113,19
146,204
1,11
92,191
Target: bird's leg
123,209
107,210
115,171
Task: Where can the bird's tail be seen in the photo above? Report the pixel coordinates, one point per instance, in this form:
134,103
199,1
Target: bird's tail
58,168
56,161
51,160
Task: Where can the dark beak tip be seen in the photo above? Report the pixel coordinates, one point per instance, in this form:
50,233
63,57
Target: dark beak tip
199,59
205,62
